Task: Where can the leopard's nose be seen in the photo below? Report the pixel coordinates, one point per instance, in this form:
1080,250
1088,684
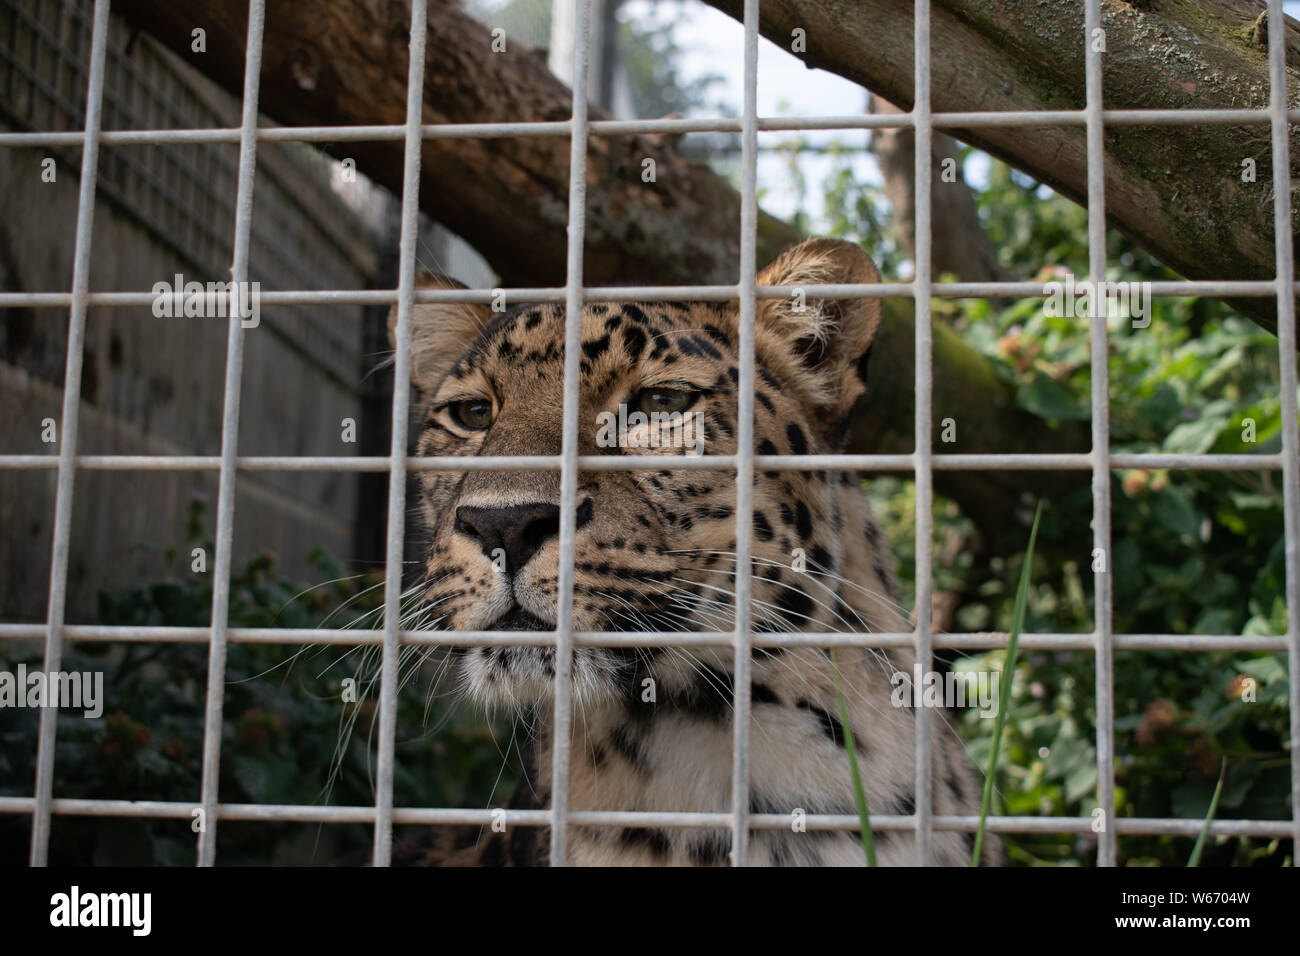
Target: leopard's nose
519,531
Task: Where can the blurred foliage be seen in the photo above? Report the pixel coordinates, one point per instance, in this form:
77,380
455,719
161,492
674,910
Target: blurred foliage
650,54
1193,552
286,737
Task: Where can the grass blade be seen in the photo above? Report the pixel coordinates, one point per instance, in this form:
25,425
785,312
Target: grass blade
1205,827
859,795
1004,691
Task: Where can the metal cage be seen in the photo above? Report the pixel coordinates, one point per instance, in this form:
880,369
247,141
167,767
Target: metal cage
921,464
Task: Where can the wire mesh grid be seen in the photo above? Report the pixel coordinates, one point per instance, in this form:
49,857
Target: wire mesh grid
185,194
921,464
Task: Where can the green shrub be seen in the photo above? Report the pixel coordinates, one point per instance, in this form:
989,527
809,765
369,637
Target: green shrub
284,735
1193,552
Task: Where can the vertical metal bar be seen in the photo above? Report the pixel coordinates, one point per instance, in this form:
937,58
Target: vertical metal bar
1287,372
1103,596
923,425
745,444
396,539
68,423
214,705
573,296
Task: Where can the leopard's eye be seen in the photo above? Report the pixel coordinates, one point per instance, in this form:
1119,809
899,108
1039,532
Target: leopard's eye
472,413
663,401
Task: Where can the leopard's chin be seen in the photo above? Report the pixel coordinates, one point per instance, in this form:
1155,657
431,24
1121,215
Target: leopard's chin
522,676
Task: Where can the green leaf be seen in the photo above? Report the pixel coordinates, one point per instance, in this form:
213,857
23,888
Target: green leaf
1049,399
1004,685
1160,409
859,794
1238,784
1068,754
1266,670
1172,510
1081,781
1195,438
1217,620
1277,619
1214,805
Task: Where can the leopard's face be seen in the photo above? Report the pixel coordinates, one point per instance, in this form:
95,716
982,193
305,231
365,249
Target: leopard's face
654,548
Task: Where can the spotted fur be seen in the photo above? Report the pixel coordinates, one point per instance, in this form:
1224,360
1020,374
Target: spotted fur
654,551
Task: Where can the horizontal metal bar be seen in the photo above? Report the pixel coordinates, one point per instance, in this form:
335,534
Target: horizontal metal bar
721,124
360,637
673,293
965,642
295,134
303,813
1216,288
882,463
1196,462
1188,117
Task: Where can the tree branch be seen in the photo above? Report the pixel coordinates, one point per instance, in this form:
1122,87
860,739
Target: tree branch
1176,191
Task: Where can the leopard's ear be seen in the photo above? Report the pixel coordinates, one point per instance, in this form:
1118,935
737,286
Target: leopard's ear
441,332
822,341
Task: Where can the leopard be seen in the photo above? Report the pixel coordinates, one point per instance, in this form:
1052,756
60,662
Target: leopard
654,550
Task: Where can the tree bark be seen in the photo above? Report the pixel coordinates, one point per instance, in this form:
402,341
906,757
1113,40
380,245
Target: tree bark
344,62
1176,191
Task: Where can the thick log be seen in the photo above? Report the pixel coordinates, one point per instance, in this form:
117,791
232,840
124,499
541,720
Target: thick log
344,62
1176,191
